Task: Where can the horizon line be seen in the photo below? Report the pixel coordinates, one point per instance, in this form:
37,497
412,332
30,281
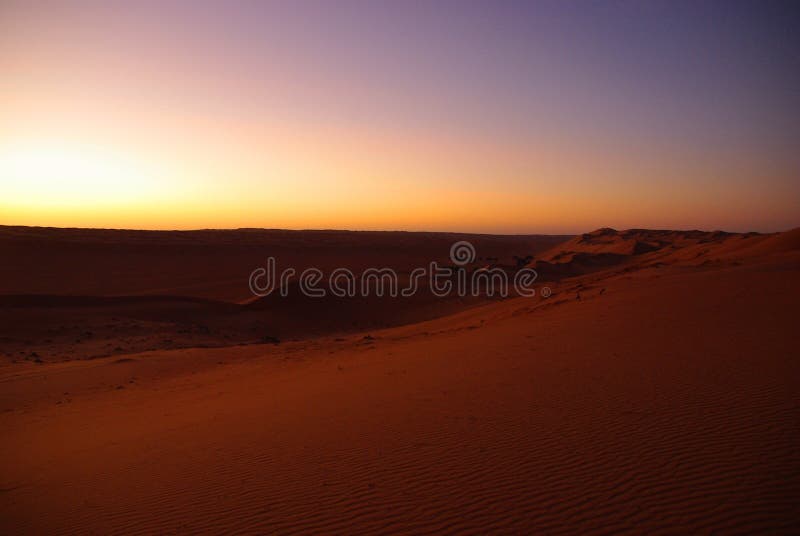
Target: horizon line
328,230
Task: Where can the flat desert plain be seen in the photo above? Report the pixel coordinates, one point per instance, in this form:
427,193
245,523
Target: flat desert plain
143,389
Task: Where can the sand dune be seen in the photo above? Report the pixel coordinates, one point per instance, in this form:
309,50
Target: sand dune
214,264
639,248
88,293
653,394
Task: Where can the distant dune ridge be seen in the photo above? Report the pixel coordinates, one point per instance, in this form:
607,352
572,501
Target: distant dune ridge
109,325
655,390
131,291
640,248
214,264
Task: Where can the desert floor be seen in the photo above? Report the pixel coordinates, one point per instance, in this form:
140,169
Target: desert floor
656,391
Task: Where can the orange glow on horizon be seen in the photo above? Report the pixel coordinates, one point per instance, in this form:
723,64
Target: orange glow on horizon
111,120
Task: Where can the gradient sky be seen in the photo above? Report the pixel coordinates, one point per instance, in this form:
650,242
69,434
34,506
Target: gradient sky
510,117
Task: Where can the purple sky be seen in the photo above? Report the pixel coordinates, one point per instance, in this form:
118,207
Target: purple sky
659,114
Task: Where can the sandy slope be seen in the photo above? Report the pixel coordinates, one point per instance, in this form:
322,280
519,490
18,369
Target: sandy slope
651,395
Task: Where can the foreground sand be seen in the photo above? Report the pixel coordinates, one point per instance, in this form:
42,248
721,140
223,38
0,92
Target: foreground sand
665,399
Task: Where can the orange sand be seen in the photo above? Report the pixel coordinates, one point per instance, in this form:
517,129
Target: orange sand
655,391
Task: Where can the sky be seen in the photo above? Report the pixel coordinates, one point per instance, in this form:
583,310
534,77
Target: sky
493,116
